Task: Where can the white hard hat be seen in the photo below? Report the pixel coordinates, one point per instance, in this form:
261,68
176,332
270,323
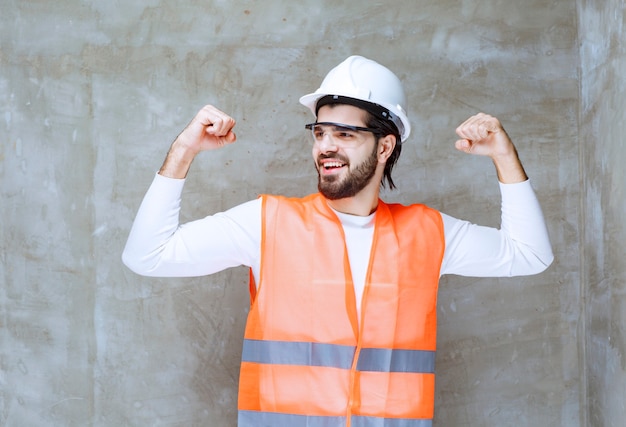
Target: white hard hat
362,79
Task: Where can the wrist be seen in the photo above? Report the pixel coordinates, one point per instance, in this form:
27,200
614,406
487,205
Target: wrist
509,167
178,161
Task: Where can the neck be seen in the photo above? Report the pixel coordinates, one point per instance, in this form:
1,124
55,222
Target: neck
363,204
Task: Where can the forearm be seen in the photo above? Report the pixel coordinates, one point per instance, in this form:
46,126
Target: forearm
509,167
178,161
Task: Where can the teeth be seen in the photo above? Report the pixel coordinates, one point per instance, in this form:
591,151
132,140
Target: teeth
329,165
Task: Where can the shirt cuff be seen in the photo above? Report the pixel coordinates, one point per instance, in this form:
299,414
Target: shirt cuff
165,183
517,192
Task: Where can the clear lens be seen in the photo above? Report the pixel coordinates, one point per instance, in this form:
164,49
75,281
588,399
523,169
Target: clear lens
340,134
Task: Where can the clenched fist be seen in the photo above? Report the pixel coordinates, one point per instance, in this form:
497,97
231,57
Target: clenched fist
210,129
484,135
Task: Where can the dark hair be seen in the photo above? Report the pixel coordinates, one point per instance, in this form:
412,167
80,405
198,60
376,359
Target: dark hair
387,127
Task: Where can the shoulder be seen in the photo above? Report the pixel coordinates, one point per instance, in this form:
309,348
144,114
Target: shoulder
308,208
272,201
275,198
413,209
416,217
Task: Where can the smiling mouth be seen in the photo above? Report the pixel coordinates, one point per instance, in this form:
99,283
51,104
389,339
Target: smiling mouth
332,165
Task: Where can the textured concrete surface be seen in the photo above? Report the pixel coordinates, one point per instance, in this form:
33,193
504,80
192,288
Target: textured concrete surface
92,93
603,154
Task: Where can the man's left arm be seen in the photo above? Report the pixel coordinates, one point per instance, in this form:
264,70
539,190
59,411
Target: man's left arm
522,245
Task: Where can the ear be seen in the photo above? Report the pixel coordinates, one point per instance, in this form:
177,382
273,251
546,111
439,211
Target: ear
386,145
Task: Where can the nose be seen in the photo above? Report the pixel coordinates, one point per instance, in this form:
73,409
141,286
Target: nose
326,143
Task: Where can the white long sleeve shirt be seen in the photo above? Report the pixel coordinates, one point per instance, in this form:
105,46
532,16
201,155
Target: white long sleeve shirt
159,246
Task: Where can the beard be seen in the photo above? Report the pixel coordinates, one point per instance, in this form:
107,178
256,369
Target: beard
335,187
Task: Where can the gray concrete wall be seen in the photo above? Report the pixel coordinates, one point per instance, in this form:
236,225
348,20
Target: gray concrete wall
92,93
603,153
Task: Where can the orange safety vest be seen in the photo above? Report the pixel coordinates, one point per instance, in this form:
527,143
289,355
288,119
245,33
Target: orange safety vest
307,359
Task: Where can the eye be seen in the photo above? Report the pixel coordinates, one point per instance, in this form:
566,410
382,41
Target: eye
318,133
343,133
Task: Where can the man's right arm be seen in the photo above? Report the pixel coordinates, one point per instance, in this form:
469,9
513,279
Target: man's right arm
159,246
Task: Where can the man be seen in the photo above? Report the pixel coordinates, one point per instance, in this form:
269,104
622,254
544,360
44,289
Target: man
342,328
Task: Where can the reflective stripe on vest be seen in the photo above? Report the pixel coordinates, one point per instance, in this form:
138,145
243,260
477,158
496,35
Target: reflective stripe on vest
338,356
308,359
272,419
